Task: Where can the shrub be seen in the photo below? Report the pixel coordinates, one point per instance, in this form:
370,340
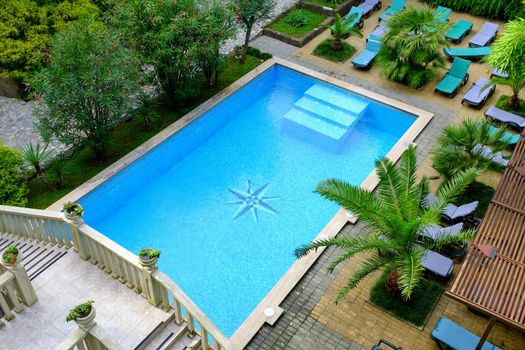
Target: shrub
297,18
80,311
13,189
507,9
325,50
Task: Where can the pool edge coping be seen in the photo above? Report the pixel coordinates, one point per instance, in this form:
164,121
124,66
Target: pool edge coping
293,275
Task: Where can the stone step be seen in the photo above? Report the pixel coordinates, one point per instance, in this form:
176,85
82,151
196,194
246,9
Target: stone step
338,98
326,112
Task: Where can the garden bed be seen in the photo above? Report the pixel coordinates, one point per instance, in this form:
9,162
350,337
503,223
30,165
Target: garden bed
328,7
324,50
416,311
502,104
282,30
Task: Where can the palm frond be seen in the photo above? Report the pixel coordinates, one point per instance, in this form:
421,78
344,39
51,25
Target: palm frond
410,269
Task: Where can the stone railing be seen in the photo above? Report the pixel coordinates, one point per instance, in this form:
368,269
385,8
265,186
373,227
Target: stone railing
121,264
9,301
93,337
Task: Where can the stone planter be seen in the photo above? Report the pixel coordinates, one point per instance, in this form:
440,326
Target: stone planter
11,266
148,263
75,219
88,321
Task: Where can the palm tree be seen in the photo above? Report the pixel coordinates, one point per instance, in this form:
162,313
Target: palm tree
411,49
341,29
35,157
508,55
459,147
395,216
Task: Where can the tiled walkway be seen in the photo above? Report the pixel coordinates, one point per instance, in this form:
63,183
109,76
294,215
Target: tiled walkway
121,312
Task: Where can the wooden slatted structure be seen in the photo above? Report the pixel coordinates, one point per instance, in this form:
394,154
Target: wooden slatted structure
497,286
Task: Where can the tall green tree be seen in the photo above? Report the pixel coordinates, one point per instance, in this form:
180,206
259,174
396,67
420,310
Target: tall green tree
508,55
341,29
86,88
459,148
411,49
250,13
395,217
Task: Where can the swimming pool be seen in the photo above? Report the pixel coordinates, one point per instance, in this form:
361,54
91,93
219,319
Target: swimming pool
229,197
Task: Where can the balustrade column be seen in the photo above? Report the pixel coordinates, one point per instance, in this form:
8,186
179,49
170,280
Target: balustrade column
79,244
23,284
150,287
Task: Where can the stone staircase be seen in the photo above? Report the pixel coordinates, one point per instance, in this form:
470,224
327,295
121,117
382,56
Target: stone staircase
324,117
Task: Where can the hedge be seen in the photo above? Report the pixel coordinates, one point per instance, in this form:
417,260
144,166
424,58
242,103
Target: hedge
500,9
13,189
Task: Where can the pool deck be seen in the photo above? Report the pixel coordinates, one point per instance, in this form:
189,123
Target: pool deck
310,319
121,312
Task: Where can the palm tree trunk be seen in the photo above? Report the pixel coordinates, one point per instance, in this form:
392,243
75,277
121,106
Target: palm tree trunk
337,45
392,284
514,102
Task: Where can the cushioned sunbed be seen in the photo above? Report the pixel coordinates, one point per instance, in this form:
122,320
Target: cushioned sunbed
498,73
511,138
442,14
357,17
453,214
479,92
450,335
458,31
365,59
437,264
470,53
496,157
485,36
501,116
368,6
456,76
395,7
378,32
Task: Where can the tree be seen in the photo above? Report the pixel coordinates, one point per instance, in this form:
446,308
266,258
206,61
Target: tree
508,55
411,49
86,88
395,217
341,29
460,148
13,188
249,13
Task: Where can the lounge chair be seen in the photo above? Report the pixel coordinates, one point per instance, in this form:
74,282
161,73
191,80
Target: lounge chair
357,18
456,76
469,53
511,139
450,335
365,59
454,214
434,231
387,343
496,157
501,116
478,93
437,264
458,31
395,7
378,32
499,74
442,14
368,6
485,36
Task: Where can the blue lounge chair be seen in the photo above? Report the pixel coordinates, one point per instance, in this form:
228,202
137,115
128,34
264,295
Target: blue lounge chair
452,213
479,93
456,76
356,14
458,31
378,32
442,14
453,251
437,264
469,53
501,116
387,343
395,7
499,74
510,138
496,157
365,59
450,335
368,6
485,36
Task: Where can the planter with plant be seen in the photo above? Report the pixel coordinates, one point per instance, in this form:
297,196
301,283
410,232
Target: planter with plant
83,315
73,211
11,256
148,258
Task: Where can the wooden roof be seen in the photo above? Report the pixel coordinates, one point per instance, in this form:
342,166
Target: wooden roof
497,286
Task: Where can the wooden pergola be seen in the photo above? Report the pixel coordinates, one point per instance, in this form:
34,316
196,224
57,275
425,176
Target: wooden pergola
492,278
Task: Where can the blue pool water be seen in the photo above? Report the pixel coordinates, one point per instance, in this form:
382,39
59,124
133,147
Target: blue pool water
178,197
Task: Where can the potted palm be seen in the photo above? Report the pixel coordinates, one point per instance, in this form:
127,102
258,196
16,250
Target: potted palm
83,315
11,256
73,211
148,258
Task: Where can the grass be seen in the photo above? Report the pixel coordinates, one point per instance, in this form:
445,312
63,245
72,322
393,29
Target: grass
417,309
324,50
477,191
327,3
313,20
80,167
502,104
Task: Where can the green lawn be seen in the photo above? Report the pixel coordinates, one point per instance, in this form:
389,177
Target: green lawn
326,3
313,20
127,136
325,50
417,309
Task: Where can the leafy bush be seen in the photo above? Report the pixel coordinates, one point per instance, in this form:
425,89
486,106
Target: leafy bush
26,27
255,52
325,50
80,311
13,189
297,18
507,9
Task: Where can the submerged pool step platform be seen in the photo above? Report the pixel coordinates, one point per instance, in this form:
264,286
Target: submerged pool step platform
324,116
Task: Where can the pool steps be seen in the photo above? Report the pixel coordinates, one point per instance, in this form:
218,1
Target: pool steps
324,116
